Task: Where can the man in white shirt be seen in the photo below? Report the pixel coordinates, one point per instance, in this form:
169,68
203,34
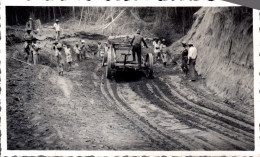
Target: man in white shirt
184,56
164,50
29,24
57,29
77,51
156,50
192,56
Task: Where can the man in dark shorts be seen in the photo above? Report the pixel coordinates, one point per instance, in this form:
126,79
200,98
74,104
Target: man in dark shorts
28,45
184,58
136,43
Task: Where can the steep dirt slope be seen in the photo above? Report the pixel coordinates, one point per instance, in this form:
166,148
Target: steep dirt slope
224,39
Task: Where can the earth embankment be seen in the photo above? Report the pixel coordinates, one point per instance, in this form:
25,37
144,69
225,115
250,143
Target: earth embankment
224,39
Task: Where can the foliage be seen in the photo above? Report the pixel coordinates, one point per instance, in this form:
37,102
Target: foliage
165,22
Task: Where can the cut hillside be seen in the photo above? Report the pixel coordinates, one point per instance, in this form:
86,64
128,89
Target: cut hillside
224,39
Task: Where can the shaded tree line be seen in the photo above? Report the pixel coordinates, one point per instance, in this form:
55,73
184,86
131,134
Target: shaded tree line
19,15
167,22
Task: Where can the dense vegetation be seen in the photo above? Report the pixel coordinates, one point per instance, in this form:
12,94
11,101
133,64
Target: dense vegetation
166,22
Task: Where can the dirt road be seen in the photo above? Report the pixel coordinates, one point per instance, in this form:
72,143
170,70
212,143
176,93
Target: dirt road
84,111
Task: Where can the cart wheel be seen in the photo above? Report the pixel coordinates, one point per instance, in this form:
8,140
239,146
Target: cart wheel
149,66
108,67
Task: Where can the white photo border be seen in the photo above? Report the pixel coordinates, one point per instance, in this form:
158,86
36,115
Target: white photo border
122,3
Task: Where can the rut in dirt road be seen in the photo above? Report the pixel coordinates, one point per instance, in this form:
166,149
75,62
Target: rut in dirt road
194,122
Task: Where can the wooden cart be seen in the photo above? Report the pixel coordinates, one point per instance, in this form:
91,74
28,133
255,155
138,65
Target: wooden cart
119,58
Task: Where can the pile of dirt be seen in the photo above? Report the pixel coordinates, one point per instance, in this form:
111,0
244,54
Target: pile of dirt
224,39
15,34
91,36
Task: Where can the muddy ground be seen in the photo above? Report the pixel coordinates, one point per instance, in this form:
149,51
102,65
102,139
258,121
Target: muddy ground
83,110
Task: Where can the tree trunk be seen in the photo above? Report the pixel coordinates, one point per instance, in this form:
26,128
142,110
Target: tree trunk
44,17
85,19
175,11
183,22
49,13
81,15
73,12
60,12
16,19
54,15
112,18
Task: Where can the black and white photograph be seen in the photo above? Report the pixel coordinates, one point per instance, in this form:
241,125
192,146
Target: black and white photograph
129,78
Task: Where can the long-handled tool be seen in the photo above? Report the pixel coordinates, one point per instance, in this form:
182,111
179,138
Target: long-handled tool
21,61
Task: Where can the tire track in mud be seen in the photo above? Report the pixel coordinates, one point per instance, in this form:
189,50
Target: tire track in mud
206,120
238,125
192,122
206,102
203,124
171,127
231,131
162,141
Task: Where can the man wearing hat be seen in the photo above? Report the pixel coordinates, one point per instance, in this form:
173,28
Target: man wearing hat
100,47
102,51
156,50
184,57
77,51
57,29
68,54
164,52
35,51
136,43
28,45
82,50
60,60
192,56
104,58
29,24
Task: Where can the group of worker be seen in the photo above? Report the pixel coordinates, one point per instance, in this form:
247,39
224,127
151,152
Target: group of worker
189,56
161,51
31,45
31,48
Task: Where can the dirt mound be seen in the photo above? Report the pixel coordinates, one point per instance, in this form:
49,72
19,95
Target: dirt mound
224,39
91,36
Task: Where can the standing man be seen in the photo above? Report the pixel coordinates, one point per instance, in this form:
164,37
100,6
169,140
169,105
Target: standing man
100,47
82,49
164,52
104,57
77,51
156,49
68,55
35,50
184,57
29,24
60,60
28,37
192,56
57,29
136,43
